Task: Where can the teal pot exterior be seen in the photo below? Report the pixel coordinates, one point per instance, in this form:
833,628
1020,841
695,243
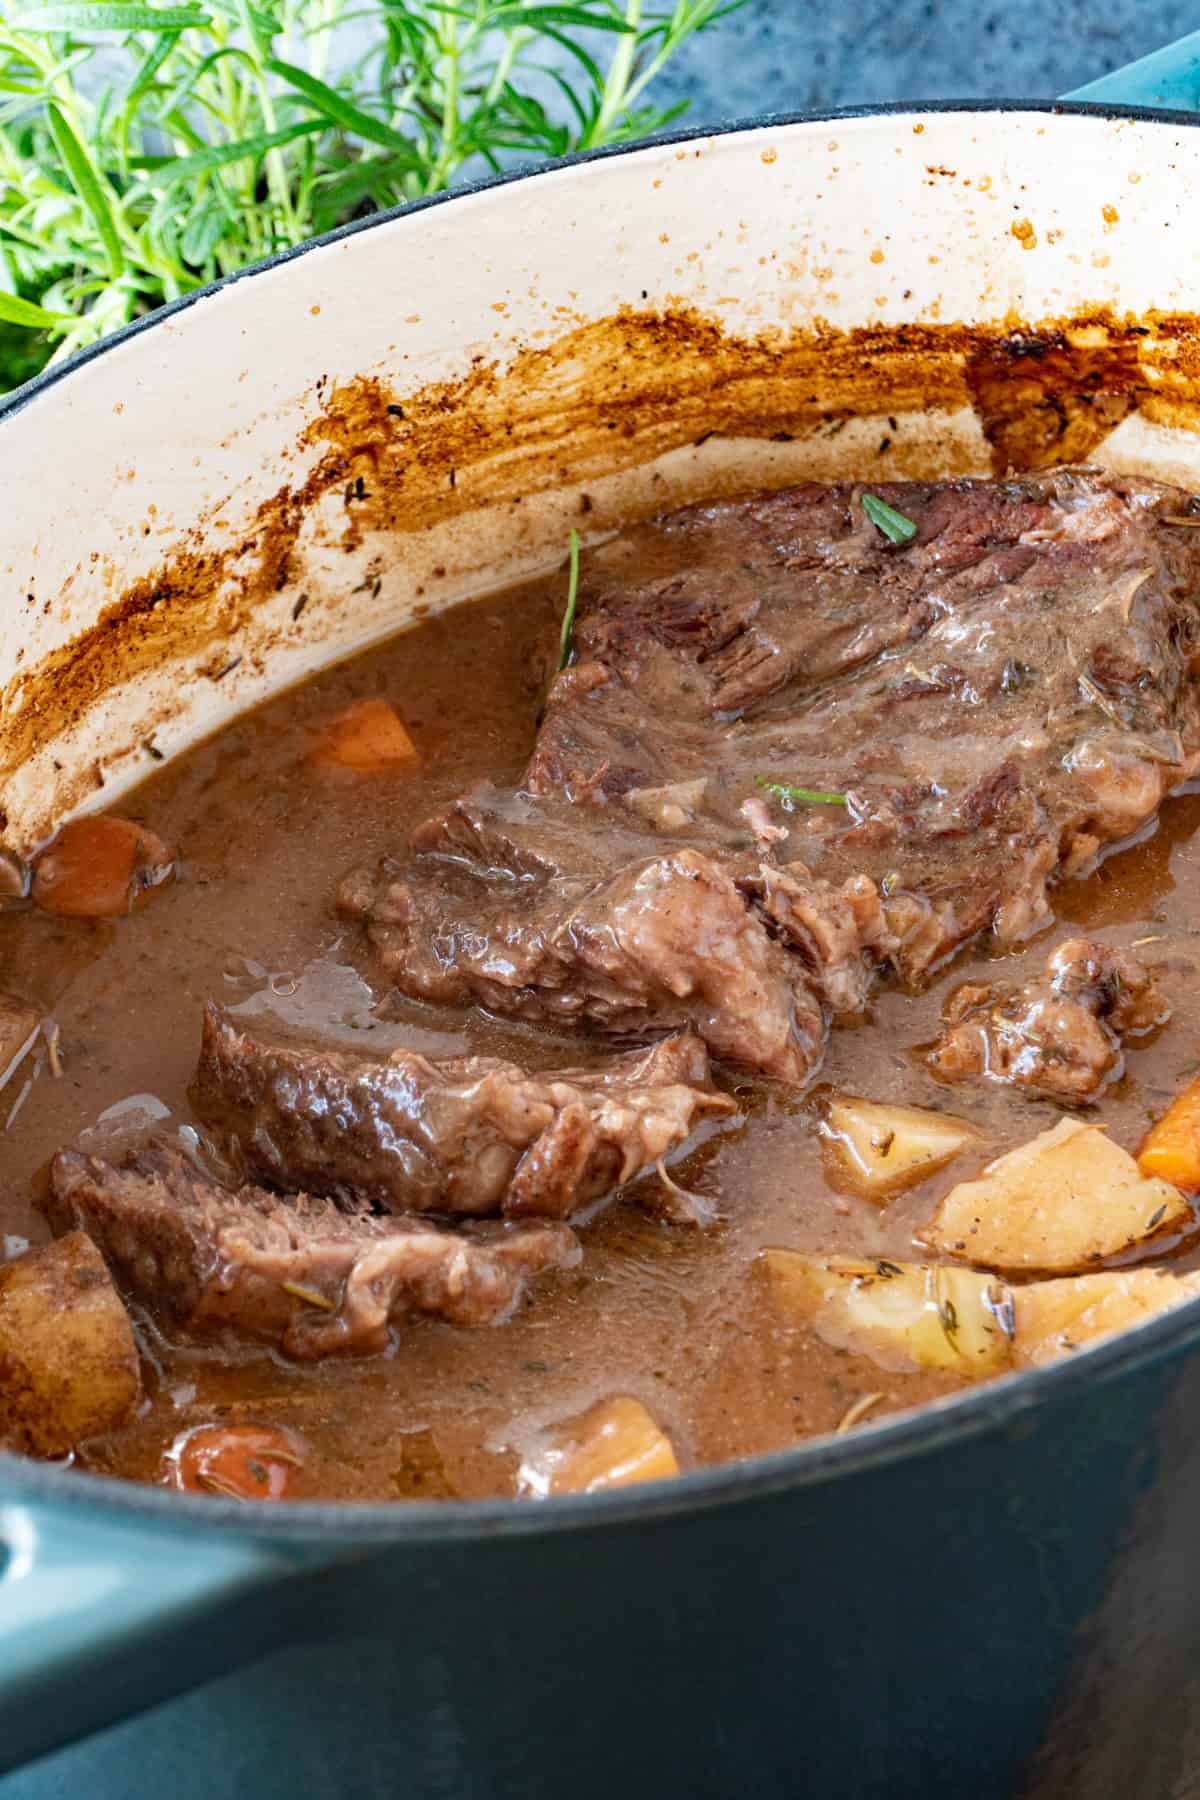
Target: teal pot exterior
1000,1597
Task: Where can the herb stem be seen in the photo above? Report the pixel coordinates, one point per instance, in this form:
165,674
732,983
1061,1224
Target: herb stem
568,619
894,525
805,796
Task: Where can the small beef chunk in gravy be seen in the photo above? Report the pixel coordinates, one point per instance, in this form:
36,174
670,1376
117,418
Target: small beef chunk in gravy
940,728
466,1134
294,1273
666,944
1058,1036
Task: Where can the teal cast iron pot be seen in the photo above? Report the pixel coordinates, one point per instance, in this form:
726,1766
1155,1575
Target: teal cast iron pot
997,1595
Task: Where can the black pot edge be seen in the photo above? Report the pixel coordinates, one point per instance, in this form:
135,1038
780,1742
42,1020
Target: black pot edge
351,1525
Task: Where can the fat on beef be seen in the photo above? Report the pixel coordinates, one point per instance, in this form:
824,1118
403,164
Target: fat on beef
789,756
298,1275
465,1135
1059,1036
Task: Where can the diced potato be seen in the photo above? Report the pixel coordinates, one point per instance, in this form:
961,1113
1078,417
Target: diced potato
366,739
98,868
1172,1148
1052,1318
878,1150
68,1362
613,1445
902,1315
1068,1198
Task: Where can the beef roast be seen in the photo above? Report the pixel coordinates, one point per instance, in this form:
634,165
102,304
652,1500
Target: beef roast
297,1274
1060,1035
463,1135
850,756
667,944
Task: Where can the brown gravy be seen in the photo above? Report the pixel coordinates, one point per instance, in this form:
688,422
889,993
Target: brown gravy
677,1317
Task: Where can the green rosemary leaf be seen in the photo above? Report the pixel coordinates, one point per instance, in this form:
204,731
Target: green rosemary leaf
88,185
800,795
894,526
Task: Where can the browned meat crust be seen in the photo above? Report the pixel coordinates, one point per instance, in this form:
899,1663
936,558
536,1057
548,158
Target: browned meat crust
991,706
296,1274
469,1135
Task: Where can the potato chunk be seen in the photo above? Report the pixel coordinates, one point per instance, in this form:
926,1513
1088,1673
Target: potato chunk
1068,1198
68,1363
613,1445
1052,1318
902,1315
879,1150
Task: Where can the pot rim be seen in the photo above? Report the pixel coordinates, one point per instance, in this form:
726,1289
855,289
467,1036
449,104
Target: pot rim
996,1405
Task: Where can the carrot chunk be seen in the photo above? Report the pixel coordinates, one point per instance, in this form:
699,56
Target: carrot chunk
98,868
367,738
238,1462
1172,1147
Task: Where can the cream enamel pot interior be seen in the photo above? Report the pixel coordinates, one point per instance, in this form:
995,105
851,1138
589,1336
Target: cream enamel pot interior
303,460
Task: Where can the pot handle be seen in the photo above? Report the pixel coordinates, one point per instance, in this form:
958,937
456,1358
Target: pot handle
1169,77
100,1617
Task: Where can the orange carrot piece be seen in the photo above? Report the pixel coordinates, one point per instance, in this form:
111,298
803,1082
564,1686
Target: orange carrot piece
368,737
98,868
236,1462
1172,1147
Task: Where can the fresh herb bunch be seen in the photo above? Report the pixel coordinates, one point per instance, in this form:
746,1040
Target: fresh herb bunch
224,136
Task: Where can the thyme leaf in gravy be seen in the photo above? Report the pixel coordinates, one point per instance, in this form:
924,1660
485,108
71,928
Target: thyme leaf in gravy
805,796
568,620
310,1296
894,526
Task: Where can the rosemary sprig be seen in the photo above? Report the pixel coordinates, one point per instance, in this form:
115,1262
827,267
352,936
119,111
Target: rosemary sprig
568,619
220,134
894,526
800,795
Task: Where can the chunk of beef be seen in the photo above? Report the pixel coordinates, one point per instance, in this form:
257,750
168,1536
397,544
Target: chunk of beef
468,1135
996,702
296,1274
879,751
666,944
1060,1035
18,1030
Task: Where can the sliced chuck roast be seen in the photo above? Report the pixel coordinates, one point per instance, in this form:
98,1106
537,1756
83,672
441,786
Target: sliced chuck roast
666,944
1060,1035
296,1274
790,755
464,1135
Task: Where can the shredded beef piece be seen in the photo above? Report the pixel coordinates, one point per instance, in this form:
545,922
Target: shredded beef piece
296,1274
1060,1035
978,713
469,1135
665,945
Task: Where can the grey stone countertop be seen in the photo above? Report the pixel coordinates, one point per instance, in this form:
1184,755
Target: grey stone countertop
791,55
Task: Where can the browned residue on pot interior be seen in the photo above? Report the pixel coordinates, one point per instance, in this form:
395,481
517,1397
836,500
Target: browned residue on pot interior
605,396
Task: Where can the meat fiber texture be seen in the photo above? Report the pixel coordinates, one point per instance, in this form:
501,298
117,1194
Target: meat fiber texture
790,756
